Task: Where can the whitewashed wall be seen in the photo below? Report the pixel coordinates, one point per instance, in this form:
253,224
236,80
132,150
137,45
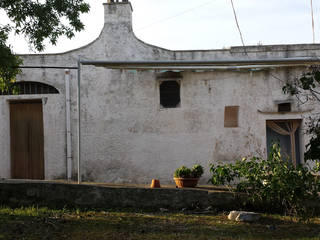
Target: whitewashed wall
126,136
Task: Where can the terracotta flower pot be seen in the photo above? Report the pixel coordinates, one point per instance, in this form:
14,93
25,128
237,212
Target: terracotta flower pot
186,182
155,183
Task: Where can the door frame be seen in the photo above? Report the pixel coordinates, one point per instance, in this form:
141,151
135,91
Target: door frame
300,136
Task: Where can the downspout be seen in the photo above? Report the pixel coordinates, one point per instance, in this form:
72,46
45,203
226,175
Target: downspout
79,122
68,124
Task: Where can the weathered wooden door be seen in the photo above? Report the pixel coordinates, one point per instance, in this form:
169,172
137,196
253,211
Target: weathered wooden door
26,128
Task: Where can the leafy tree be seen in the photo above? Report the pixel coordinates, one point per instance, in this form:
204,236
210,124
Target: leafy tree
8,61
38,21
307,88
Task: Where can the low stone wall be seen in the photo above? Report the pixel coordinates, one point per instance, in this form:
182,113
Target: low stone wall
59,195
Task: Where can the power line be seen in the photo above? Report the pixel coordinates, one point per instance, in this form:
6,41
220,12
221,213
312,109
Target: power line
235,17
174,16
313,34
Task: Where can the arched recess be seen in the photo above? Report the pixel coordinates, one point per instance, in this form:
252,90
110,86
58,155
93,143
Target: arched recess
29,87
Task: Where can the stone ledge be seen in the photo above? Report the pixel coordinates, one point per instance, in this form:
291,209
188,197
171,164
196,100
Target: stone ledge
17,193
59,195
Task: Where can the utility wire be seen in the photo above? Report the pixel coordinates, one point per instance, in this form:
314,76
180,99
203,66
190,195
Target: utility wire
313,35
174,16
235,17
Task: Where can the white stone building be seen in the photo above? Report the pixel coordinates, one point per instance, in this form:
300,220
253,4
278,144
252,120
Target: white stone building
146,110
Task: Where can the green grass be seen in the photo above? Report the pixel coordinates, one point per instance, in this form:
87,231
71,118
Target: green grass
43,223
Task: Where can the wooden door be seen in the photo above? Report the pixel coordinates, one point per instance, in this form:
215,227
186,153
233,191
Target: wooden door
26,128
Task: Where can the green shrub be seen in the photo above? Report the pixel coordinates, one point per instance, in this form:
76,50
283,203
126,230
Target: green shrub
273,185
184,172
197,171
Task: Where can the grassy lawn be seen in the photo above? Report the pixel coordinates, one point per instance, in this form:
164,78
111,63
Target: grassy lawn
33,223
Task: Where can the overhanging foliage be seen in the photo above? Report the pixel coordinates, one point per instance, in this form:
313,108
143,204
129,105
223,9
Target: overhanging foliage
37,21
307,89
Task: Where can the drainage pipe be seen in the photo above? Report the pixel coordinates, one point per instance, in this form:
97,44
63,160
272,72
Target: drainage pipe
201,68
79,122
197,63
68,124
46,67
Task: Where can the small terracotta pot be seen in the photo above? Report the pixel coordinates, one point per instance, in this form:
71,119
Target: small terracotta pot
186,182
155,183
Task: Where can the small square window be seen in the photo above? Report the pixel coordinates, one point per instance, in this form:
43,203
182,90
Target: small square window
231,115
169,94
284,107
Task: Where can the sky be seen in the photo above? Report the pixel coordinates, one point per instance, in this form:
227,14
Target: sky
201,24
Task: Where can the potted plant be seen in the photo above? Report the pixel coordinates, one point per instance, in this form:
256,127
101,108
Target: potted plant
186,177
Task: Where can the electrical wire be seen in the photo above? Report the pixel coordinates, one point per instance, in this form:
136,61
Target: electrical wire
236,20
313,34
174,16
235,17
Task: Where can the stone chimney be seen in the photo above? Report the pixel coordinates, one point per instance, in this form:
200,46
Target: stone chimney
118,14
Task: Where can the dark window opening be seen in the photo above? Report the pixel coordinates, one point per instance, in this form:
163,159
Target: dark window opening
170,94
284,107
20,88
